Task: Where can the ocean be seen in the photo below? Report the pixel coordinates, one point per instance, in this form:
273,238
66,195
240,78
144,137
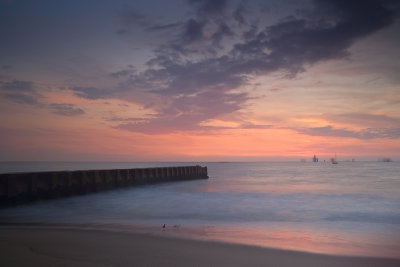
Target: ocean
352,208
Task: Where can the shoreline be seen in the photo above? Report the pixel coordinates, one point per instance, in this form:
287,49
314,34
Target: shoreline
47,246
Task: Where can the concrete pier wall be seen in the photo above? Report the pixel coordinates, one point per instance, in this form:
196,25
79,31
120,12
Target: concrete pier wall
16,188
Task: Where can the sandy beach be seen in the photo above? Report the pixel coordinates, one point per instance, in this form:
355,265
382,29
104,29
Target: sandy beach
21,246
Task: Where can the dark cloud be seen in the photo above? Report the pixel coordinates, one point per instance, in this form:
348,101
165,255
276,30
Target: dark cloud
251,32
222,31
287,46
18,86
238,14
128,72
326,33
206,8
21,92
132,19
204,32
163,27
207,28
196,66
6,67
21,98
91,93
173,78
193,31
66,109
204,36
369,133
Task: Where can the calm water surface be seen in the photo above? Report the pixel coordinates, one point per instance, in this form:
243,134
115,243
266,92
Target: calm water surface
351,208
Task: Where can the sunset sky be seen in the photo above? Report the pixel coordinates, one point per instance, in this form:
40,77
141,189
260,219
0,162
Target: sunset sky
199,80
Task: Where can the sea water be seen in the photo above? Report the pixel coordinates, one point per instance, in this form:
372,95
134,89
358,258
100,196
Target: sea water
352,208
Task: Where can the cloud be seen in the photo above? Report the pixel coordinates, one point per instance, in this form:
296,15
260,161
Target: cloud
21,92
132,19
287,46
208,27
275,89
328,131
173,78
325,33
206,8
124,73
193,31
122,119
203,31
366,120
255,126
186,112
18,86
66,109
374,126
368,133
163,27
21,98
196,67
91,93
238,14
389,133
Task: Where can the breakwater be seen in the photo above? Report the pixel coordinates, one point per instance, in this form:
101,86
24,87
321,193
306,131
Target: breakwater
16,188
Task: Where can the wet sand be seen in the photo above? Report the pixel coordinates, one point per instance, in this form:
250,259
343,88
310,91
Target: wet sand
21,246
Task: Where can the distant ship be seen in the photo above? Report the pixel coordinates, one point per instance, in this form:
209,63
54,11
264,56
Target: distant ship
315,159
333,160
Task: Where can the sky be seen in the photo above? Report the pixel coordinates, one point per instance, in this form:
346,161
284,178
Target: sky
199,80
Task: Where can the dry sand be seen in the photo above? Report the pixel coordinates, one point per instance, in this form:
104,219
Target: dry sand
21,246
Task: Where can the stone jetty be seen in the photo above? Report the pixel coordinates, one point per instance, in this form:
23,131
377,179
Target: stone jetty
17,188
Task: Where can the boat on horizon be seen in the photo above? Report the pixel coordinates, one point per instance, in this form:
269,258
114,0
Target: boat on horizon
333,160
